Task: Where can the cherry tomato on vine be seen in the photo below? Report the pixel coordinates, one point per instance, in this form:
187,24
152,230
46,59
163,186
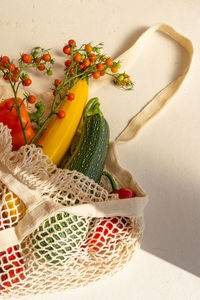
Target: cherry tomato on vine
68,63
41,67
49,72
96,75
26,58
71,96
93,56
11,67
114,69
67,50
86,62
46,57
88,48
81,66
126,78
37,60
58,82
5,59
61,114
31,99
27,82
4,77
77,57
72,43
100,67
109,62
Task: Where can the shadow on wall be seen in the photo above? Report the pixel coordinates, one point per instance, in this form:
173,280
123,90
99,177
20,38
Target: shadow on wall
172,219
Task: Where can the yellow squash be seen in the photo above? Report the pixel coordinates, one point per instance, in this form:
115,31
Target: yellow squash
13,207
57,138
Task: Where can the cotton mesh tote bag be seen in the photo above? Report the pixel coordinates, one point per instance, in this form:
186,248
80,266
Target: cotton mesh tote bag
58,228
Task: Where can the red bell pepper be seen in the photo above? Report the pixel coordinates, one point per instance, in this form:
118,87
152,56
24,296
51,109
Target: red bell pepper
11,264
9,117
109,231
107,234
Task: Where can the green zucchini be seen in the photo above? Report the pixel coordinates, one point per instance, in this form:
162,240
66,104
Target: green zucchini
92,148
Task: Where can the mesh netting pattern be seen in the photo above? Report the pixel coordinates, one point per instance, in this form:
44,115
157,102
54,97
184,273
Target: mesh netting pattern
64,251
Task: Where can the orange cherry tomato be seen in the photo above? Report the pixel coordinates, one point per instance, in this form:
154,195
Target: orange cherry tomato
114,69
100,67
46,57
88,48
109,62
77,57
96,75
92,56
26,58
86,62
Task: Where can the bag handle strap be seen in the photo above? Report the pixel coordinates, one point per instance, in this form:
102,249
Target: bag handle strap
127,59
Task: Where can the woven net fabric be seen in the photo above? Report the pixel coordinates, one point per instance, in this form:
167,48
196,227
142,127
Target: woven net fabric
64,251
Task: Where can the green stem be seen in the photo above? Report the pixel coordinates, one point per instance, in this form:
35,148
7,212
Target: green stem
112,181
41,128
18,110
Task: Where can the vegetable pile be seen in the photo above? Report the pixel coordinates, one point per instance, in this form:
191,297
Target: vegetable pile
55,134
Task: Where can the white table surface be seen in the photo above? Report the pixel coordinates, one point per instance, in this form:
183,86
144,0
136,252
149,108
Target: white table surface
164,157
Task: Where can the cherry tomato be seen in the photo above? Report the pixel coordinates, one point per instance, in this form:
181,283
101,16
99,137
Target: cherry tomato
4,77
96,75
109,62
114,69
37,60
58,82
26,58
71,70
91,63
72,43
77,57
124,193
81,66
93,56
100,67
71,96
102,73
16,71
11,67
88,48
67,50
126,78
61,114
41,67
31,99
49,72
86,62
46,57
68,63
27,82
5,59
